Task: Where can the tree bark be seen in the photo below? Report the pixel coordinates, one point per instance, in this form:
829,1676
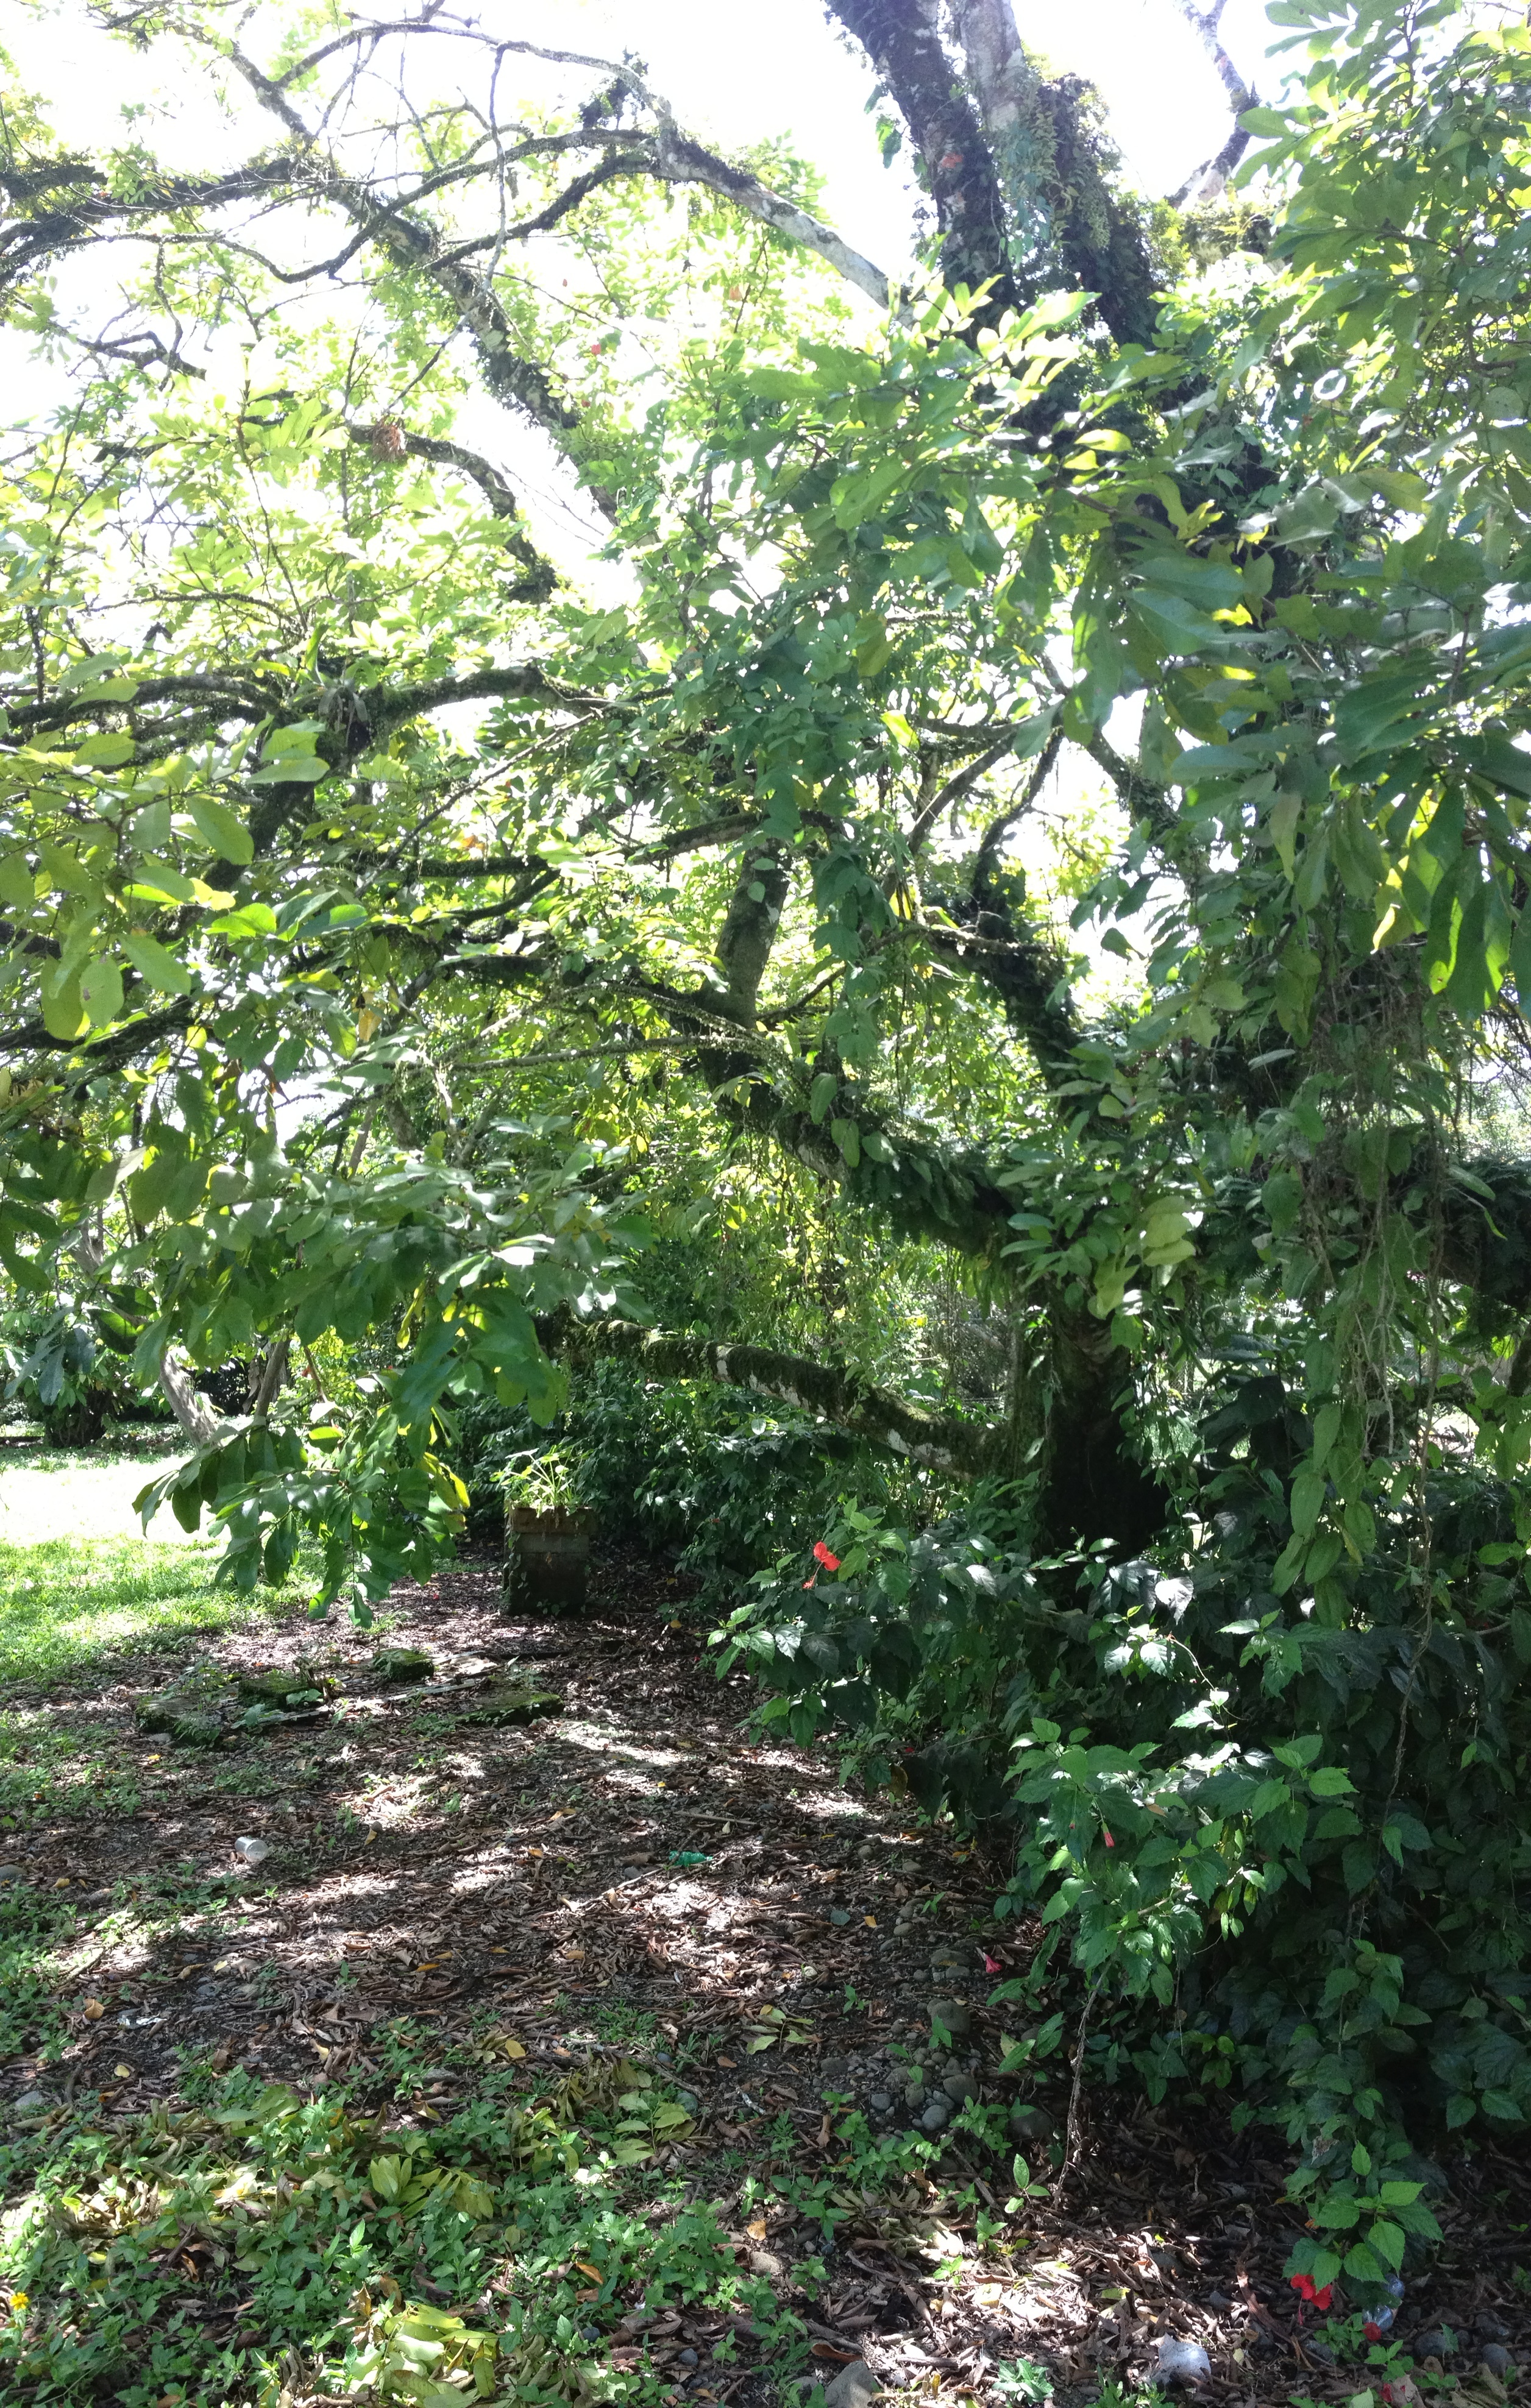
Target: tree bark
943,1441
201,1424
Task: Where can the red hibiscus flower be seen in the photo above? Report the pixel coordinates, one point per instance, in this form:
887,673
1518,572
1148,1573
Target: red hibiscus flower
822,1556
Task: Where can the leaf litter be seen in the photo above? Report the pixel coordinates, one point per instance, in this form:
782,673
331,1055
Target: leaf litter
486,2015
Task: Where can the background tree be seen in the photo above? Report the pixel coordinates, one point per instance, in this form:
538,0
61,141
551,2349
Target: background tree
360,875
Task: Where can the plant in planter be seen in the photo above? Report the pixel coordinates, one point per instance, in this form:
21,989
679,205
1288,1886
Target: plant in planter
547,1532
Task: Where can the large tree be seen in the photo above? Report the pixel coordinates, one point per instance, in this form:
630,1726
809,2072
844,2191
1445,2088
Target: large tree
321,781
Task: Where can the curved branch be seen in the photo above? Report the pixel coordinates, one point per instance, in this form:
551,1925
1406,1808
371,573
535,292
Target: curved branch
542,579
1214,173
942,1440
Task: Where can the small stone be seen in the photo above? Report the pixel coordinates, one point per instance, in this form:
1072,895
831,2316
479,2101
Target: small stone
1490,2329
251,1852
688,2099
1182,2361
689,2358
1319,2350
839,1916
880,2101
31,2102
9,1873
403,1664
1219,2299
1493,2355
914,2094
1030,2124
936,2117
852,2387
959,2087
952,2016
274,1681
1432,2342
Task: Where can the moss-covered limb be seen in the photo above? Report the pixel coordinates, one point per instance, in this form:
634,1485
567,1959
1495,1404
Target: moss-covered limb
944,1441
1485,1216
1094,1484
901,38
749,930
1022,181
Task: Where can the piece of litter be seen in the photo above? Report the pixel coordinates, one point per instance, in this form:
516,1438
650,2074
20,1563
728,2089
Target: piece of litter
251,1852
688,1857
1182,2361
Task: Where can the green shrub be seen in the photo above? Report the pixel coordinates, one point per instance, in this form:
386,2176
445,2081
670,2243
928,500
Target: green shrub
1285,1847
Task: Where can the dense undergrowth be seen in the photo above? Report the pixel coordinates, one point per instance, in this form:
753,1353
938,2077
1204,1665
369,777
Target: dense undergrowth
1280,1848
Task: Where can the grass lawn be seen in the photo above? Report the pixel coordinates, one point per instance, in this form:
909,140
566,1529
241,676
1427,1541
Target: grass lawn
79,1581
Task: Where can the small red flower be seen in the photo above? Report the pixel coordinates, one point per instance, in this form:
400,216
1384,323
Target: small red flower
1322,2299
812,1583
1373,2333
991,1964
1109,1841
1303,2286
822,1556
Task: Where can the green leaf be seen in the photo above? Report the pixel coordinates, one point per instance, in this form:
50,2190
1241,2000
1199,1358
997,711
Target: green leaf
107,752
1387,2239
1363,2265
63,1012
249,920
290,769
101,992
153,962
1331,1781
227,834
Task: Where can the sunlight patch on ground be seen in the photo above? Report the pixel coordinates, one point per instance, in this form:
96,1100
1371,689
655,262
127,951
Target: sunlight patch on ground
603,1744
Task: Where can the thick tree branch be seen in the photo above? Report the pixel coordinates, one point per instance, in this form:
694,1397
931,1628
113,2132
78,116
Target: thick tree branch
1213,172
201,1424
944,1443
994,835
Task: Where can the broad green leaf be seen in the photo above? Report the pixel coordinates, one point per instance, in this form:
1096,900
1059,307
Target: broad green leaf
222,830
290,768
154,961
107,752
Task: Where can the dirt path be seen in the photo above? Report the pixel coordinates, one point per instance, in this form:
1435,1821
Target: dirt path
630,1879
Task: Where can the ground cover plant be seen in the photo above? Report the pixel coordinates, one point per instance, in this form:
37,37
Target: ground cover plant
613,2055
1003,950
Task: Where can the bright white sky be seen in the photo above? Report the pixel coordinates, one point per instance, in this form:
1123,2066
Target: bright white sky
733,75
